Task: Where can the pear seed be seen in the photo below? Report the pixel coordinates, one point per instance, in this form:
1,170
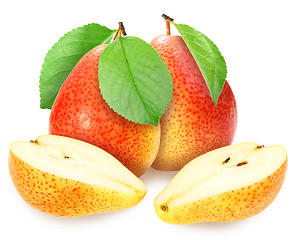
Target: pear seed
226,160
242,163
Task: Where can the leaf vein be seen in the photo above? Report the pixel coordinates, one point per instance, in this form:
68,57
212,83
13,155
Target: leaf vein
132,76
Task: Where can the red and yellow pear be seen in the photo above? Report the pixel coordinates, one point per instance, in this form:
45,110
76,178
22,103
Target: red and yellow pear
192,124
80,112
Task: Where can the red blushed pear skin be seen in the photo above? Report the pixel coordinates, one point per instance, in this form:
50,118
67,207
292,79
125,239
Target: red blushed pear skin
80,112
192,125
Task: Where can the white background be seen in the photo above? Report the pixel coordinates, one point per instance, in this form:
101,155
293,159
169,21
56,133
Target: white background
260,43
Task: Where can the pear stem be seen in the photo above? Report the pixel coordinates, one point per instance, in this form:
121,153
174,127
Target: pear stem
168,28
121,26
120,32
168,25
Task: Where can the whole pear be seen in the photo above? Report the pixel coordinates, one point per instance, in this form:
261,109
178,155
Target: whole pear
80,112
192,124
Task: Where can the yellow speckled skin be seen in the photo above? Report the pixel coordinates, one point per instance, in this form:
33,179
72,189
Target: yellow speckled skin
64,197
229,206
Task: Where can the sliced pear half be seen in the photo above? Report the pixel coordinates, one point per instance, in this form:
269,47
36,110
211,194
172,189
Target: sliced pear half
67,177
227,184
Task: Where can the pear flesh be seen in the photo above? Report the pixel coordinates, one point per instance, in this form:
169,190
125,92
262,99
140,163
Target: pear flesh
68,177
227,184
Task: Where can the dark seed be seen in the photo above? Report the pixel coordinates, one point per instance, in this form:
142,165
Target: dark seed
242,163
226,161
261,146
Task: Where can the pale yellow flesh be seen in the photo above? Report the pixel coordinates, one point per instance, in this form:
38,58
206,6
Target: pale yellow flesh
76,160
210,174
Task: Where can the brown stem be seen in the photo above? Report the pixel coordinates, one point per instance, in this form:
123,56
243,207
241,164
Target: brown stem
121,26
168,25
168,20
120,32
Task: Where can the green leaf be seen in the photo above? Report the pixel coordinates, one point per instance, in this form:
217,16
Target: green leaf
63,56
208,58
134,80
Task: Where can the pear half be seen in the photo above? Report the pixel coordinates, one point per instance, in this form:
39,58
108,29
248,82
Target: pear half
67,177
224,185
